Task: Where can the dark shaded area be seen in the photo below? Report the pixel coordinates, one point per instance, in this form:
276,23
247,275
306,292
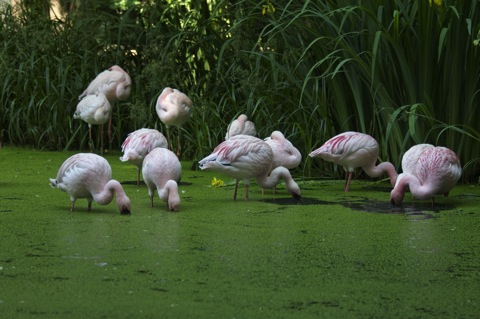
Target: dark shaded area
424,209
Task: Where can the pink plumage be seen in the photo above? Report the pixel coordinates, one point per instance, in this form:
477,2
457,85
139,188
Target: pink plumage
284,153
89,176
244,157
352,150
138,144
173,109
435,172
94,109
115,83
162,171
241,126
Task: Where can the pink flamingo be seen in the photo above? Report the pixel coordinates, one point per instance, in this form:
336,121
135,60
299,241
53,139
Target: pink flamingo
94,109
115,83
162,171
410,158
241,126
284,153
173,109
246,157
138,144
352,150
89,176
436,172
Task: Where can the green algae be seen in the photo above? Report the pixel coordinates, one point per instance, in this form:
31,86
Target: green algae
334,255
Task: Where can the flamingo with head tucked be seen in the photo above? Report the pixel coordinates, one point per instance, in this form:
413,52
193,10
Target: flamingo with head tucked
87,175
352,150
241,126
115,83
437,171
284,153
138,144
245,157
94,109
173,109
162,171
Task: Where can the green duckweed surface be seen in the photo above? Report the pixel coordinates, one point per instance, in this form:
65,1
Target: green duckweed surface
333,255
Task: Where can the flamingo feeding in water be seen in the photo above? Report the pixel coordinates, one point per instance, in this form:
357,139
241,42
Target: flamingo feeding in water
245,157
89,176
173,109
436,172
162,171
241,126
115,83
94,109
352,150
138,144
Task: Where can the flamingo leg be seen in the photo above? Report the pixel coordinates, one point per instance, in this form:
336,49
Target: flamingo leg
235,191
151,201
73,206
138,177
347,183
89,208
178,142
246,192
109,131
101,140
90,141
169,143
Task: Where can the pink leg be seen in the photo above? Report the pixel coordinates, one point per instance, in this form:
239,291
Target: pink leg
178,143
90,141
109,132
347,184
101,140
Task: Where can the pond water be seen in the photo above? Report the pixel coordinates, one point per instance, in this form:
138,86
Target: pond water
331,255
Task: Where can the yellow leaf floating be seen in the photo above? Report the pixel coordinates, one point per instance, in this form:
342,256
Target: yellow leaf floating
217,182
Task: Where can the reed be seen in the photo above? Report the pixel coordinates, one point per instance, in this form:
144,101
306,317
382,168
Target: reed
405,72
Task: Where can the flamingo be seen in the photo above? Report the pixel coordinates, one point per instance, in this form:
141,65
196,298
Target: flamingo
138,144
94,109
162,170
87,175
436,172
352,150
115,83
284,153
173,109
410,158
246,157
241,126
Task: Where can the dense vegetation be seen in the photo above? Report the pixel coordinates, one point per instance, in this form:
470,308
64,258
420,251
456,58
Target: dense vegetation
405,72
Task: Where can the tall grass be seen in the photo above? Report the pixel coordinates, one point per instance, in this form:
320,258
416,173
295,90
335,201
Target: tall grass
405,72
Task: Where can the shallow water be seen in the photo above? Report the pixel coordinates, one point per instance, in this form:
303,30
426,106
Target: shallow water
331,255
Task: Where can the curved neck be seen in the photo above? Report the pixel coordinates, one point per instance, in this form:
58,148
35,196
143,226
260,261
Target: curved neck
168,191
272,180
106,194
380,169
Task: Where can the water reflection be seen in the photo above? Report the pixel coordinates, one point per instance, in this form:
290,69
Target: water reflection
416,210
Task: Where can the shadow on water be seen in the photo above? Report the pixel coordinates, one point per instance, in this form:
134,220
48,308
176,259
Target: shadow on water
414,210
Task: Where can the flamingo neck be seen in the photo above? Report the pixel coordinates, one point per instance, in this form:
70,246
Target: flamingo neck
380,169
272,180
169,193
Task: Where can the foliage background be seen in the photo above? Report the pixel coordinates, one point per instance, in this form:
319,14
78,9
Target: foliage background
405,72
